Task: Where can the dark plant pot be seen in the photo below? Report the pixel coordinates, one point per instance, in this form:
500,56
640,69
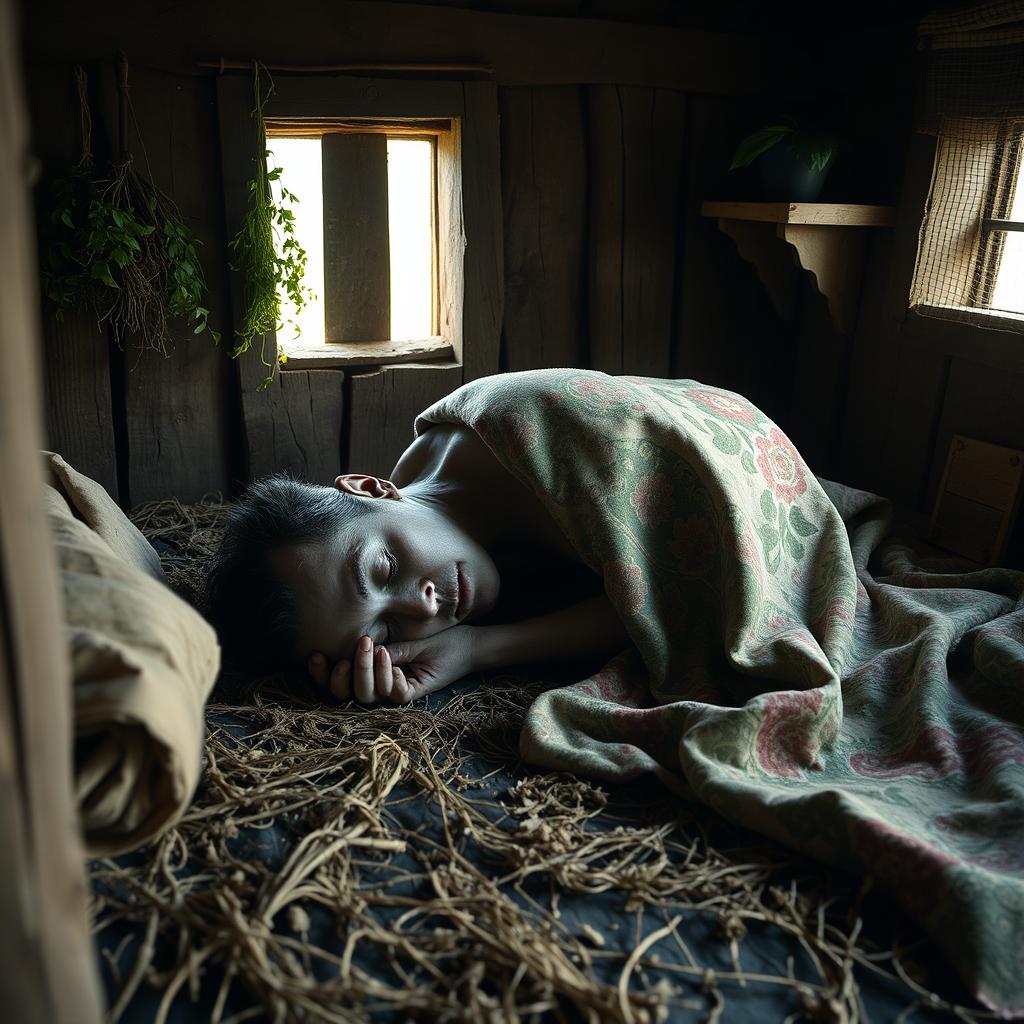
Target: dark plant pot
786,178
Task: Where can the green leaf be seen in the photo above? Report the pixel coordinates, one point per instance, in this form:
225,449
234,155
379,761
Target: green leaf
757,143
769,536
796,549
800,524
116,217
767,505
66,219
724,440
747,462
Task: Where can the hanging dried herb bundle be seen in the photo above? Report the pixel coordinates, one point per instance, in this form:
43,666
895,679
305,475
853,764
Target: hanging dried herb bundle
266,251
116,245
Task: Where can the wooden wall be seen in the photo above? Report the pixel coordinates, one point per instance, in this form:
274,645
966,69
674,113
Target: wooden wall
611,135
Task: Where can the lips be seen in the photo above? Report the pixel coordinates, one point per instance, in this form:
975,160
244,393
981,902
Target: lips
463,593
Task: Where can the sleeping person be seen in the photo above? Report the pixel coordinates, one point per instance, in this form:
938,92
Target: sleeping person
388,589
742,646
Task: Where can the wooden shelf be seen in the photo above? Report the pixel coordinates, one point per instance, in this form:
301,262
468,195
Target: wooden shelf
367,353
826,239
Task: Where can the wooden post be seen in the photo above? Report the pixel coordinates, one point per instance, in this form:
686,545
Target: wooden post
357,254
45,948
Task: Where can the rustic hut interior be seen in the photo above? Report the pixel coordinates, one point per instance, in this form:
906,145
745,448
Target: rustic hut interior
698,326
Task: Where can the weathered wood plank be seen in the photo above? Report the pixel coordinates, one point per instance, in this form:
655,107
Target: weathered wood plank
175,406
49,967
635,159
240,147
304,434
357,270
524,49
383,407
76,352
79,418
544,190
483,267
652,139
607,211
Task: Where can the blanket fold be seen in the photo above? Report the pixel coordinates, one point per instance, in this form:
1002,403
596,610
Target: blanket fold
791,668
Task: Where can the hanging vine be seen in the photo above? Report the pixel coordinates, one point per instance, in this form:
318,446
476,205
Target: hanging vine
266,250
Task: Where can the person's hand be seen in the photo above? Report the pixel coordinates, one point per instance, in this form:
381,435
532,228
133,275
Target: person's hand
400,672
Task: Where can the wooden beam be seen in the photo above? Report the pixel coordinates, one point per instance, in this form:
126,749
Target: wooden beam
49,967
525,49
357,268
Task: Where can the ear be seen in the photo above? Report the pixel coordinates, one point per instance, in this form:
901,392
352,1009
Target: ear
360,485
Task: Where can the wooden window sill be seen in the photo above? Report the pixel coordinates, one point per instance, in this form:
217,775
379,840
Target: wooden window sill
993,319
367,353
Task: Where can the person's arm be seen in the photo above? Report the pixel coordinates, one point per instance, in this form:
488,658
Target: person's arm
408,669
590,629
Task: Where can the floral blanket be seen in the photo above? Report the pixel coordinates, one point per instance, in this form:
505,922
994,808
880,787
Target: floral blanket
871,717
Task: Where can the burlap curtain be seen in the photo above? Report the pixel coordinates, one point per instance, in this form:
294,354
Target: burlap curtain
973,102
46,962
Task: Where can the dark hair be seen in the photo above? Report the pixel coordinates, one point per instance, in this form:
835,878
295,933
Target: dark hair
251,607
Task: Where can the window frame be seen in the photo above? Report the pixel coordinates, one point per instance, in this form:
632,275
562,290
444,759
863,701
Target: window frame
384,350
989,204
468,206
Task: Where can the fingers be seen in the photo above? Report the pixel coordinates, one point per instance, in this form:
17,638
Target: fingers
364,672
317,668
382,673
341,680
401,688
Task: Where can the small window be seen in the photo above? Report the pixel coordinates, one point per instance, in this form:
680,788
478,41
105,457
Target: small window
366,215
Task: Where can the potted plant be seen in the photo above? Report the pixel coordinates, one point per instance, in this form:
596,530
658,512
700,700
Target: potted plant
792,159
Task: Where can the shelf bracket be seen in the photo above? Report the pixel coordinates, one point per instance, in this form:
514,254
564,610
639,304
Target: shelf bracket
832,254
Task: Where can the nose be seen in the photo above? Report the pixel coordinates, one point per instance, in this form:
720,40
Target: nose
420,602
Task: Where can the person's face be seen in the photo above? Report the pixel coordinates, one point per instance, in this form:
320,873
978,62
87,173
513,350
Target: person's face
402,572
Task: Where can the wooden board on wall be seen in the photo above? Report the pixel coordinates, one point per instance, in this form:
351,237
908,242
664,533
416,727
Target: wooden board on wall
384,405
544,196
176,406
483,267
304,432
76,353
636,138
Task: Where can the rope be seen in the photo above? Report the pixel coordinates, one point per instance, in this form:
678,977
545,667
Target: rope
85,118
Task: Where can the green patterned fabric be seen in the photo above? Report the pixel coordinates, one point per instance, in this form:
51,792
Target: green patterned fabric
870,717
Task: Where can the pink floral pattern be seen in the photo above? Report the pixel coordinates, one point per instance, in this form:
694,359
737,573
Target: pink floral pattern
746,587
781,466
786,740
729,406
652,499
624,584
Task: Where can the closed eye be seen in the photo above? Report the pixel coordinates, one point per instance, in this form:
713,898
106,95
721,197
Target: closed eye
392,565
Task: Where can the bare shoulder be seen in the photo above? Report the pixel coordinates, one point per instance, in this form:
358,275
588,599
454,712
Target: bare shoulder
447,449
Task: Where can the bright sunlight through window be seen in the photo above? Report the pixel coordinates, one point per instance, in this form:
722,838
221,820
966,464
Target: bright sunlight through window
1009,290
410,228
301,167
